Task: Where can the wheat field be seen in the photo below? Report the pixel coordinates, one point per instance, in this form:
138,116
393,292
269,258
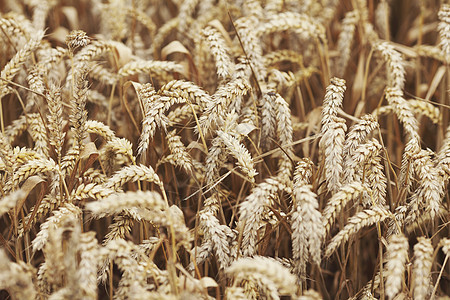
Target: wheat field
224,149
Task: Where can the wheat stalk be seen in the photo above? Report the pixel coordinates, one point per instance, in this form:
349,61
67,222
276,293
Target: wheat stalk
13,66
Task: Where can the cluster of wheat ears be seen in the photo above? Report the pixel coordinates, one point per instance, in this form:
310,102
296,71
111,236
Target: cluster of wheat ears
224,149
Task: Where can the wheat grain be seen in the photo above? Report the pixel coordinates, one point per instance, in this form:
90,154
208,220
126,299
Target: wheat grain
88,265
202,253
76,38
187,90
17,127
215,113
38,133
15,27
303,171
116,151
91,190
442,160
402,109
119,228
215,159
78,116
236,93
279,56
445,242
119,251
430,51
93,126
285,136
6,153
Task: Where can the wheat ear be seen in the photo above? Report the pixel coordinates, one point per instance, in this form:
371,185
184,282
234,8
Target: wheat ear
55,120
339,200
368,156
265,268
444,30
68,211
13,66
308,230
423,260
333,100
397,255
395,64
332,144
219,51
300,23
179,155
16,278
245,27
89,252
362,219
238,151
345,41
357,135
251,213
431,187
119,202
218,235
133,173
